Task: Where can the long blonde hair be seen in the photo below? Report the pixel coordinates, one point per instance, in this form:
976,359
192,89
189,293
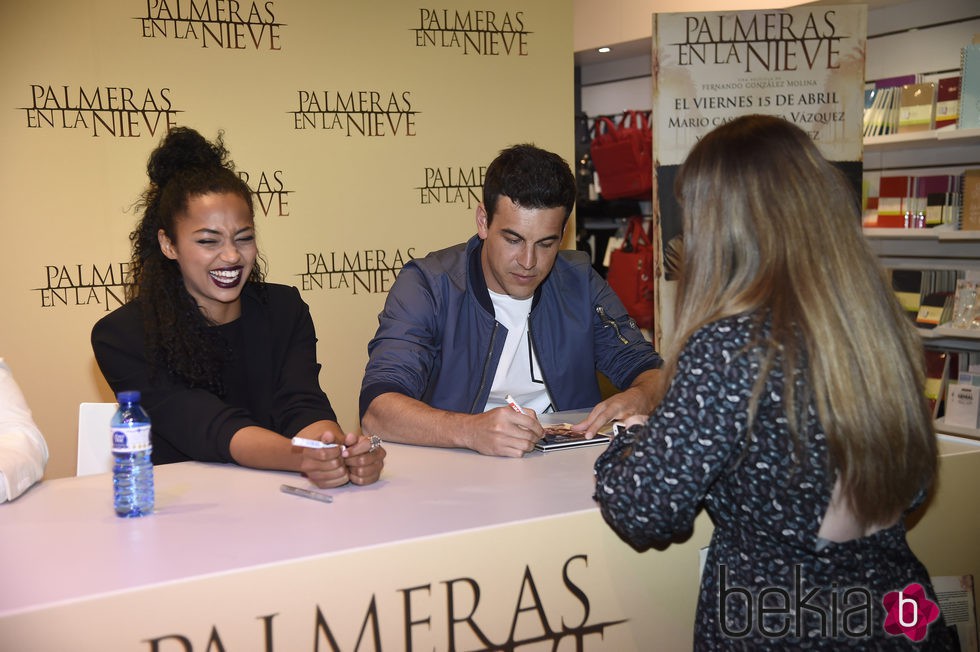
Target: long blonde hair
772,228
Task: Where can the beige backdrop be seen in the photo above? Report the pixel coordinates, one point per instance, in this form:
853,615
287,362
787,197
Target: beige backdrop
345,197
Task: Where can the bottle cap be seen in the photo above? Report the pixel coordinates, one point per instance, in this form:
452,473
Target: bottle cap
131,396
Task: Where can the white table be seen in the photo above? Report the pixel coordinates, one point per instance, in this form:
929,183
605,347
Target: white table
212,518
450,550
225,548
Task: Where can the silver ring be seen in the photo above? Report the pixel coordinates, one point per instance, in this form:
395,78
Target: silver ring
375,443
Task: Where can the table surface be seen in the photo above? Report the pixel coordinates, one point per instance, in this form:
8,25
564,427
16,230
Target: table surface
61,541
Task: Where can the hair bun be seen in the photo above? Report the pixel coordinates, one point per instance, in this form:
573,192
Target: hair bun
183,149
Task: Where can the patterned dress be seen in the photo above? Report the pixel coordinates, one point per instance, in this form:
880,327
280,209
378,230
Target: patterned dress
769,581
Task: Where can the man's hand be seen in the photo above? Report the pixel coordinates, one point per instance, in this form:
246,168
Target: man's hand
639,399
503,431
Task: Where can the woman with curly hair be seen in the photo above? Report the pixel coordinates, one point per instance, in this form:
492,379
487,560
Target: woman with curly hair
226,363
794,412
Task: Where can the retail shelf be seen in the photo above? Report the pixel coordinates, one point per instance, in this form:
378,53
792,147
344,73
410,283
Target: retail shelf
922,139
961,431
938,248
951,339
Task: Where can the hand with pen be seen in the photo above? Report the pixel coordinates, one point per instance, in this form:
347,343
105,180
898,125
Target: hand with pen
505,431
502,431
332,458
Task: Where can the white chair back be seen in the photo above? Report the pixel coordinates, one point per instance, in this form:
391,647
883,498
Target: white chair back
94,442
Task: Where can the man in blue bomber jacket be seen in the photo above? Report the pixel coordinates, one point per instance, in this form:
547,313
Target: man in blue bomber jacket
504,315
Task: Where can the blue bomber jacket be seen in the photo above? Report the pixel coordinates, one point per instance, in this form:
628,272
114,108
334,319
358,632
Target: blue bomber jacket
439,342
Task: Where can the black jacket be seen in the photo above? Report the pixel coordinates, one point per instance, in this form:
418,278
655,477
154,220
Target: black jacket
272,379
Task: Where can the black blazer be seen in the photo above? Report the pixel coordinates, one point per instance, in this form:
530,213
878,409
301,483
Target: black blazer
272,380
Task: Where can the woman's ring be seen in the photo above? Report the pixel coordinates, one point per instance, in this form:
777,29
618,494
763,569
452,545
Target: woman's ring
375,443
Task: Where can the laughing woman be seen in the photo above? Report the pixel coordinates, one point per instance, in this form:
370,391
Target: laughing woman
226,362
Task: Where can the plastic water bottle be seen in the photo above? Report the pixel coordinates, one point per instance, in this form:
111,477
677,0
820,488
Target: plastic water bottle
132,470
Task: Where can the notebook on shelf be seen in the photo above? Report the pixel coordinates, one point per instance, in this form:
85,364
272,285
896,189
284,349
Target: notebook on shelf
917,105
969,117
947,101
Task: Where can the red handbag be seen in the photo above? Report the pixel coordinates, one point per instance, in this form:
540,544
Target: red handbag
623,156
630,273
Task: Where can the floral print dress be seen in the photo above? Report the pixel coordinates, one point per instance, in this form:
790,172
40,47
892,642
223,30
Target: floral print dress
769,580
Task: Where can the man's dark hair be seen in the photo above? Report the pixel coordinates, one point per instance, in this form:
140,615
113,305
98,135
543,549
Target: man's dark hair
531,177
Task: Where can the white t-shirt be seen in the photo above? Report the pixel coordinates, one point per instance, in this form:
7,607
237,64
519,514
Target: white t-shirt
518,373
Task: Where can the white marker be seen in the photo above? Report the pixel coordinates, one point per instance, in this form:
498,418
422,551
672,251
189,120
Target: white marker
311,443
511,402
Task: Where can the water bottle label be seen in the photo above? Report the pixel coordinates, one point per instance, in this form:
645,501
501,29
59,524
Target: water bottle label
130,440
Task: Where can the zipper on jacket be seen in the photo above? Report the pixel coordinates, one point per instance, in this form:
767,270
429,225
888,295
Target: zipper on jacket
486,365
609,321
